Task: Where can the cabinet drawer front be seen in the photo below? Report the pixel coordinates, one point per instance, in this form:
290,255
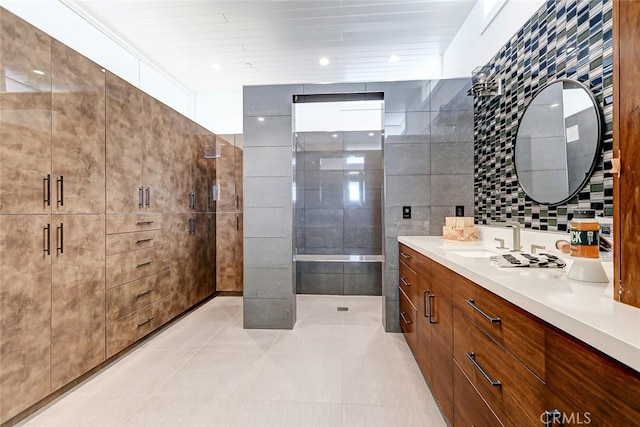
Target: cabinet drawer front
124,332
129,266
516,330
408,316
510,389
124,242
408,282
412,259
469,408
122,223
126,299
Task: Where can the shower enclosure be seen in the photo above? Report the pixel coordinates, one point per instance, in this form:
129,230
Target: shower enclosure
338,196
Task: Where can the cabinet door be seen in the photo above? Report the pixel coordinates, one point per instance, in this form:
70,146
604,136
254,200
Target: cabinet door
78,133
181,261
124,146
225,251
470,409
25,117
239,253
181,136
158,156
225,175
25,312
238,171
203,264
78,296
200,172
211,255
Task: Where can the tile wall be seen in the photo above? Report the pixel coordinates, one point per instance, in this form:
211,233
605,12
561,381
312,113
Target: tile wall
569,39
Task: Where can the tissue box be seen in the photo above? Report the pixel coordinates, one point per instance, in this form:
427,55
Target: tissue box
459,228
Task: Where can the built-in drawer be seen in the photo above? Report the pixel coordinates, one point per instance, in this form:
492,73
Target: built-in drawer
469,408
125,242
408,317
517,331
124,332
412,259
408,282
125,299
513,392
128,266
126,223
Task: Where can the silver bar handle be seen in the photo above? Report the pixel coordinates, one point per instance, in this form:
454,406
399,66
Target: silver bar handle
60,182
141,294
144,222
472,357
145,322
432,297
140,197
144,240
47,189
47,239
403,280
144,263
60,246
405,256
148,193
424,302
402,314
482,313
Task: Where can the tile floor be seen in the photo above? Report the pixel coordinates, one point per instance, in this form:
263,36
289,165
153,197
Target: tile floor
333,369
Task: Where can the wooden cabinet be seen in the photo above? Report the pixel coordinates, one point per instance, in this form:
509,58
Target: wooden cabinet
626,127
469,407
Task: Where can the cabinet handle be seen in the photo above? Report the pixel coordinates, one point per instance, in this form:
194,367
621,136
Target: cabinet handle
141,197
210,224
405,256
424,302
144,222
472,356
60,182
144,240
237,223
148,191
145,322
194,200
47,239
482,313
552,417
47,189
141,294
402,314
403,280
209,202
144,263
237,201
432,297
60,246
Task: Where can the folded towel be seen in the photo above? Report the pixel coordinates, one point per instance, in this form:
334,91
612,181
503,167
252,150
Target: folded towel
522,259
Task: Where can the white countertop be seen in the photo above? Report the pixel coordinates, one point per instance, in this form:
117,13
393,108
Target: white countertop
582,309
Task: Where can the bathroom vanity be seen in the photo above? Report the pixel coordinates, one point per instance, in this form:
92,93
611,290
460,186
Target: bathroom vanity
517,346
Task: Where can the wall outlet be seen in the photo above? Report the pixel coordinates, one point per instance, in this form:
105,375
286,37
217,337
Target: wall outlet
459,210
406,212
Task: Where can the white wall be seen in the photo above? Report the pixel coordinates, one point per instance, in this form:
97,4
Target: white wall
65,25
220,111
472,47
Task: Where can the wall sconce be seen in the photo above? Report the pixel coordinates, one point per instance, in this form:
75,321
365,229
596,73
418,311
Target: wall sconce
482,84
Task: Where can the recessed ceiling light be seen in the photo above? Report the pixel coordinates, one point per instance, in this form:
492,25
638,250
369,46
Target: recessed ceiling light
371,133
394,58
324,61
38,72
216,66
335,135
261,119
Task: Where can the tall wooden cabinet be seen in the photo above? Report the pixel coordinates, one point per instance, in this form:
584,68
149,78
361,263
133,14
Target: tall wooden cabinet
626,128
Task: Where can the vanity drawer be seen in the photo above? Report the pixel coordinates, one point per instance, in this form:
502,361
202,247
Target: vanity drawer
514,329
408,282
469,408
126,299
128,266
124,332
412,259
126,223
125,242
516,395
408,317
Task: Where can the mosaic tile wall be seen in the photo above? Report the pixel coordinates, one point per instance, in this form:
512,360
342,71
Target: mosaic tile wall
569,39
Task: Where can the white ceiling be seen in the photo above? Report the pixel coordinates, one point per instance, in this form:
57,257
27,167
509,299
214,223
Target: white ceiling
282,41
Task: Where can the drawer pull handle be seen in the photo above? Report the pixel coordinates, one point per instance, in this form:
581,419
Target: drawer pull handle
405,256
407,321
144,222
144,240
141,294
472,356
144,263
145,322
424,303
403,280
482,313
431,316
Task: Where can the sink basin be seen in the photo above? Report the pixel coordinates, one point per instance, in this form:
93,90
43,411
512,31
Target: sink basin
473,253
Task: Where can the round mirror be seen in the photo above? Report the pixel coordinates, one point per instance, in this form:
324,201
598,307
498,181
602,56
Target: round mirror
558,142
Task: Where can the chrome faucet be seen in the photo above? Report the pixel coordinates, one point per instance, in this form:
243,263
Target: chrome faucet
515,225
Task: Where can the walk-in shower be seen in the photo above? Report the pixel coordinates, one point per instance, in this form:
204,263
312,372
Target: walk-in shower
338,194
